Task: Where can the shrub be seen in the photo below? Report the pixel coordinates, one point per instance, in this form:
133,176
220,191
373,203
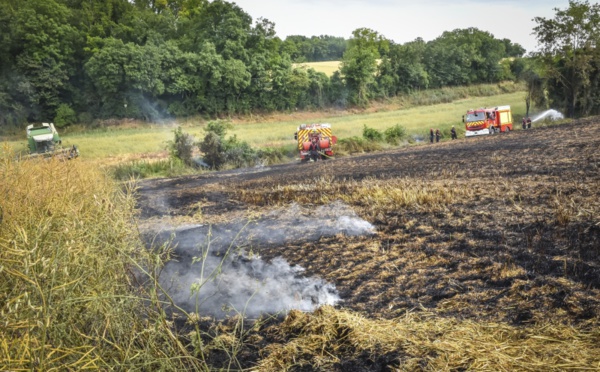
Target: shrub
238,154
213,150
85,118
271,155
395,134
144,169
220,151
353,145
372,134
218,127
65,115
182,146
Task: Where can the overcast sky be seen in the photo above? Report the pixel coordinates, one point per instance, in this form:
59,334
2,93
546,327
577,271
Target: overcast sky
402,20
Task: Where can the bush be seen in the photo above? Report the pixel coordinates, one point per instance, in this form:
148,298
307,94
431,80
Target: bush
238,154
218,127
219,151
353,145
85,118
182,147
144,169
212,147
372,134
395,134
271,155
65,115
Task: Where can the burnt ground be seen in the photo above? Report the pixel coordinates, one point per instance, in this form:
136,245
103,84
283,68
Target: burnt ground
515,239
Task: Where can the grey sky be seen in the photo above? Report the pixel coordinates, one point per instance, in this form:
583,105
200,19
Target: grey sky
403,20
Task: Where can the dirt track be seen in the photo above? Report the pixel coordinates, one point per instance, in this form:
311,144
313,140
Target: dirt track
518,240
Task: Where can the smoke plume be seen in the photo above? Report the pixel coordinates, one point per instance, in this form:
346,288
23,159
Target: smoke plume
218,270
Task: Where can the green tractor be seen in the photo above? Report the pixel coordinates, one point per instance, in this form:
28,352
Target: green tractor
44,141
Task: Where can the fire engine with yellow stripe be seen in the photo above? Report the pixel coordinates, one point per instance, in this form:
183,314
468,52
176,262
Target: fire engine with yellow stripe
488,121
315,141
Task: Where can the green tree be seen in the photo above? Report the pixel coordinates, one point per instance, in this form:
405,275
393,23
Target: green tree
37,56
65,115
406,68
313,49
513,50
464,56
569,50
360,63
126,78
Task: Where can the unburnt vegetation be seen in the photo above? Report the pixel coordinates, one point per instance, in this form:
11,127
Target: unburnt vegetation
69,299
486,254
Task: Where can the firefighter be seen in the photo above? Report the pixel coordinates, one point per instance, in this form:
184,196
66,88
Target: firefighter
431,135
438,135
453,133
528,122
314,148
524,122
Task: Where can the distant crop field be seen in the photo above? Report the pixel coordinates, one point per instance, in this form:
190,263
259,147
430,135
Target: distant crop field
327,67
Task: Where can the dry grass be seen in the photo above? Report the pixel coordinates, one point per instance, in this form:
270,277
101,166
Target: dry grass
380,196
68,296
326,67
337,340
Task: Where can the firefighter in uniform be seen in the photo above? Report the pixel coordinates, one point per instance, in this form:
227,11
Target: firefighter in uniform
453,133
314,147
438,135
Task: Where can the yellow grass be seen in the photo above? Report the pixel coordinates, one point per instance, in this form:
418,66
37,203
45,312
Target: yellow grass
68,247
426,342
327,67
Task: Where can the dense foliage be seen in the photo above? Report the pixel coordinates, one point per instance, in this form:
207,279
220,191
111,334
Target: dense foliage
75,61
566,71
315,48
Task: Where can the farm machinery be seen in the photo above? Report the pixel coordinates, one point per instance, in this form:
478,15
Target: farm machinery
488,121
44,141
315,141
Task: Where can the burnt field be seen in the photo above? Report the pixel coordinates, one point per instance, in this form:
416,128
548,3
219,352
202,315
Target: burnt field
500,229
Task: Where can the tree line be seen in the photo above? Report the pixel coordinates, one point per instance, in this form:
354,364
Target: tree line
77,60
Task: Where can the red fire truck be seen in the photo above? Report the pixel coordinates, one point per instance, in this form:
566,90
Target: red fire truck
488,121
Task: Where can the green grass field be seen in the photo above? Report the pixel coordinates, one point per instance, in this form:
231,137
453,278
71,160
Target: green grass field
115,144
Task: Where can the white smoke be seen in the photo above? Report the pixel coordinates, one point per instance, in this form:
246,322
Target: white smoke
218,269
245,285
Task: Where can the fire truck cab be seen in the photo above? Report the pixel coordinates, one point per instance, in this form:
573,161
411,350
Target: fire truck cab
488,121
